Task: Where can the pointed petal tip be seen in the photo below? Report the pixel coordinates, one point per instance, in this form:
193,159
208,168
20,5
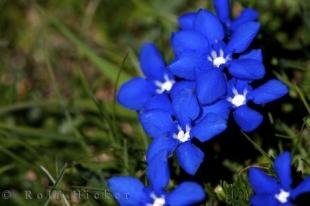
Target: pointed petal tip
242,37
282,166
268,92
209,25
151,61
134,93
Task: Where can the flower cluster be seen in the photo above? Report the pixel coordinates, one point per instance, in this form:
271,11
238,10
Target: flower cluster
192,96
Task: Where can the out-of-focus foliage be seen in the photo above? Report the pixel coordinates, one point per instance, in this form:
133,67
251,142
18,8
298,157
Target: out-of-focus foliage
61,129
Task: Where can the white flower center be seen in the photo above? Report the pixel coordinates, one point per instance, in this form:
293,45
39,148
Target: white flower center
182,135
158,201
164,86
238,99
282,196
218,60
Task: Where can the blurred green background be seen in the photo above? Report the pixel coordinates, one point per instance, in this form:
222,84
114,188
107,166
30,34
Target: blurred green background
61,130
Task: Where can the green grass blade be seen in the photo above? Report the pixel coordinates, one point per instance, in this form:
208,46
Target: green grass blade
108,69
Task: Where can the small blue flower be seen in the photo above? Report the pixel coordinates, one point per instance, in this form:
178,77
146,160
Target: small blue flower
276,191
240,93
138,92
129,191
172,132
202,53
204,46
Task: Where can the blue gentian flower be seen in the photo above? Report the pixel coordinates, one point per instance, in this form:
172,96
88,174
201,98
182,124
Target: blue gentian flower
276,191
173,131
202,54
129,191
240,93
138,92
222,7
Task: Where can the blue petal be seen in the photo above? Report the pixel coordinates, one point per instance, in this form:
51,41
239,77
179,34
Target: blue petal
248,119
268,92
262,183
264,200
303,187
160,102
157,123
189,157
248,69
188,66
221,108
209,25
158,171
242,37
282,166
222,9
187,193
189,42
181,85
211,85
151,62
255,54
186,21
161,145
185,105
127,191
246,15
209,127
135,93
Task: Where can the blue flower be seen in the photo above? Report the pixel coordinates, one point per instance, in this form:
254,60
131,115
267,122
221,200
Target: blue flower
240,93
274,191
222,7
204,46
138,92
172,132
129,191
202,53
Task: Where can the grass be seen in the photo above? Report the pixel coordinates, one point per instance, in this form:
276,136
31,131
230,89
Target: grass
61,130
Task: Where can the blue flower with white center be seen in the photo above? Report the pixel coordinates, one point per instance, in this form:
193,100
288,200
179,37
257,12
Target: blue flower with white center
137,93
202,54
172,132
222,7
240,93
276,191
129,191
